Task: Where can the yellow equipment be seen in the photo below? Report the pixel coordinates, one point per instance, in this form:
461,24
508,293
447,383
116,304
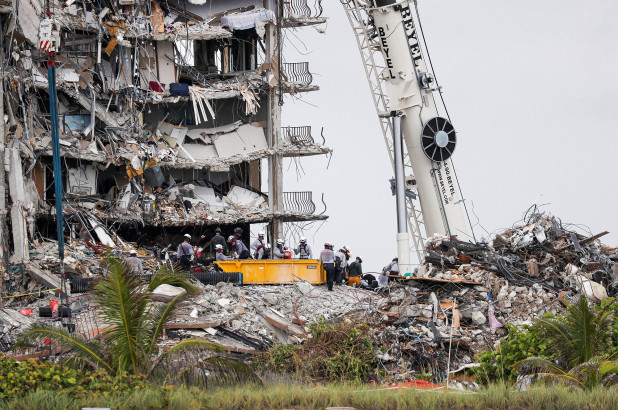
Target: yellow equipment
276,272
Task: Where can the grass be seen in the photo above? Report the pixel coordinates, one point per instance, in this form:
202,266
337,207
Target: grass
309,397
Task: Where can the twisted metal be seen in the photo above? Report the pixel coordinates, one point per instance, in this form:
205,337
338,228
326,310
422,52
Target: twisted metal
298,135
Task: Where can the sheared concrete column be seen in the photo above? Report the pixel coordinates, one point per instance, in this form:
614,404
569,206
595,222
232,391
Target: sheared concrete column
18,199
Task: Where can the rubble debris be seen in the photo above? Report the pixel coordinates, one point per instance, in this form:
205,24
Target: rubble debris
167,293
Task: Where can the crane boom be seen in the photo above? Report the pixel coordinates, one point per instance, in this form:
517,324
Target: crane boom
429,139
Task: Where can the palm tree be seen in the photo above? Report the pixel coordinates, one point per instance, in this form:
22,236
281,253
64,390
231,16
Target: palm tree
129,343
577,338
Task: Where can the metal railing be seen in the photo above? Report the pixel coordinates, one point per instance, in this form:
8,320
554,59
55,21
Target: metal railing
298,135
293,8
299,201
298,73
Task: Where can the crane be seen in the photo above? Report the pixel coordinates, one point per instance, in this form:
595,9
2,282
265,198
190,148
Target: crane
428,194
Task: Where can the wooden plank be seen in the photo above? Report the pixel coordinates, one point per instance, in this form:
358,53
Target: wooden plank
202,325
284,325
461,281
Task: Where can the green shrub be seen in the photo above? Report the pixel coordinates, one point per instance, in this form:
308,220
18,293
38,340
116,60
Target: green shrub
497,365
335,353
19,378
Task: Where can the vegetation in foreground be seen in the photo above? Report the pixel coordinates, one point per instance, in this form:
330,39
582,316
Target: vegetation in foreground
335,353
309,397
135,323
577,349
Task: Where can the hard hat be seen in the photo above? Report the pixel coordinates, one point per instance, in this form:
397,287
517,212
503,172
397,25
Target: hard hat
280,242
218,247
261,233
303,240
187,236
267,246
231,238
328,245
133,252
238,229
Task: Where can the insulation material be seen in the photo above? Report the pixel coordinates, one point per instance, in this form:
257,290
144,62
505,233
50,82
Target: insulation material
243,197
198,151
28,12
167,71
199,97
247,20
172,133
244,140
207,195
82,180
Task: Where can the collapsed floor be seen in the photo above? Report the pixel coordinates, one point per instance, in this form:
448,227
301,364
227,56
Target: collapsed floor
455,305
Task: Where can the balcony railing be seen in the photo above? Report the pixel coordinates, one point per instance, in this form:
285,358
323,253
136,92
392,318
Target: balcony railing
298,73
298,135
293,8
299,201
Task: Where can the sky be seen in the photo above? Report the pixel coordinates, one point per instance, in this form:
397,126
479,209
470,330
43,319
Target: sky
531,88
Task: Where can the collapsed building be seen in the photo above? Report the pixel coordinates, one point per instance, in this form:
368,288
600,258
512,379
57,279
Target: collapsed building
169,118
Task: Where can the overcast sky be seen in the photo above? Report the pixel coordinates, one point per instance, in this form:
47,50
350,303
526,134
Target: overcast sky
532,90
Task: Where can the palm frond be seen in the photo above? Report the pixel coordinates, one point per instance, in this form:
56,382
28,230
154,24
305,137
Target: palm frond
191,368
156,318
122,303
535,365
89,351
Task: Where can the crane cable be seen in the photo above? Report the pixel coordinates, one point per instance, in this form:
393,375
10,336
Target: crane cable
420,26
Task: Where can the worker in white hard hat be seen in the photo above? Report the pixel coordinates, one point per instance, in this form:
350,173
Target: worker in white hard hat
327,256
134,262
279,251
238,247
259,246
304,250
185,253
220,255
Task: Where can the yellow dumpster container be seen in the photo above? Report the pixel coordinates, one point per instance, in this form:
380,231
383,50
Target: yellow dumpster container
276,272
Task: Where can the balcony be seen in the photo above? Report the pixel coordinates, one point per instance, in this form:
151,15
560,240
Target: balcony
297,78
302,13
300,202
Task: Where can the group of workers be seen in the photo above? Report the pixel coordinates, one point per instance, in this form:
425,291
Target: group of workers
336,264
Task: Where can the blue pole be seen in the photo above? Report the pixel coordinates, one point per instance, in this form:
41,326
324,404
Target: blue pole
53,109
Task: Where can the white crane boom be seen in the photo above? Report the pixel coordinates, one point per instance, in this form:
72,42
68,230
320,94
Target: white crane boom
430,139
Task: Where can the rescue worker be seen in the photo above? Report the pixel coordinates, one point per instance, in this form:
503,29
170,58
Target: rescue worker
340,264
185,252
392,268
218,239
259,246
134,262
279,250
304,250
238,247
220,255
238,232
368,281
355,271
327,256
